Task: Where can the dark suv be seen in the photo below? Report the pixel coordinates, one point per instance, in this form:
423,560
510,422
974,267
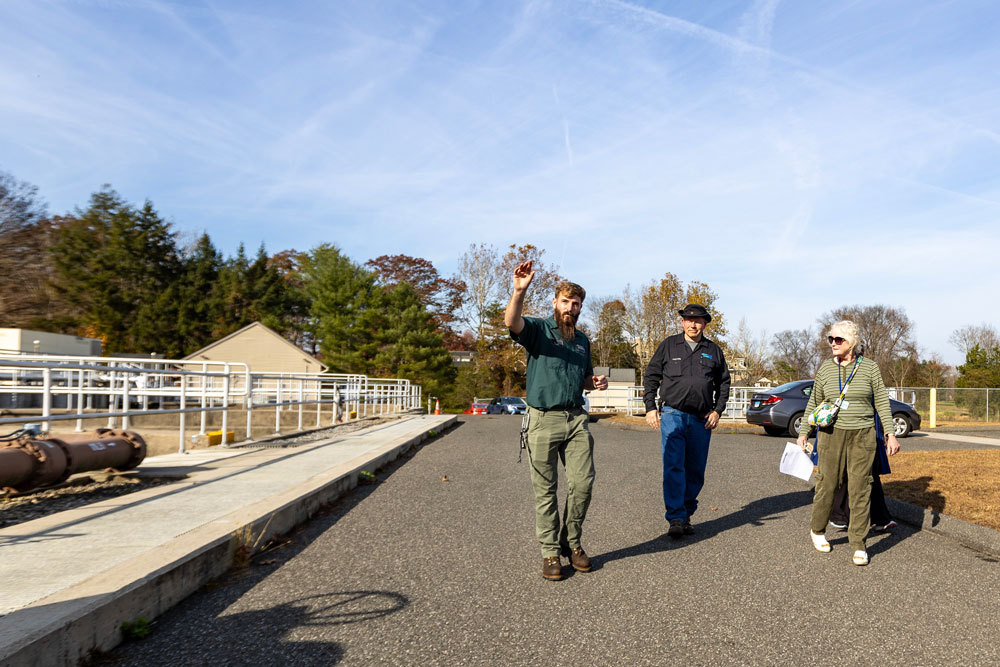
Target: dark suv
780,410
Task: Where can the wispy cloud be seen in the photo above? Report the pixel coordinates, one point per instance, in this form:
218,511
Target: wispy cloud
737,146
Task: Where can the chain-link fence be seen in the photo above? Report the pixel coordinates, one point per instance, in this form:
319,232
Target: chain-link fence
953,406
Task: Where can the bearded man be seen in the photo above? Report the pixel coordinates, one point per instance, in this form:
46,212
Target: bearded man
559,370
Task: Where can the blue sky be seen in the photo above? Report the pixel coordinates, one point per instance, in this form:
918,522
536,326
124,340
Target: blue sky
796,156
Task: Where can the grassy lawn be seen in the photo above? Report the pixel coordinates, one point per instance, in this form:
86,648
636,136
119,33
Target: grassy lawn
963,483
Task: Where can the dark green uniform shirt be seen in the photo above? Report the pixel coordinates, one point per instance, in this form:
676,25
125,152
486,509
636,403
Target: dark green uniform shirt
557,368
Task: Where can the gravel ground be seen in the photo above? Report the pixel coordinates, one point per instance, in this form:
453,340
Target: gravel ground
418,570
83,490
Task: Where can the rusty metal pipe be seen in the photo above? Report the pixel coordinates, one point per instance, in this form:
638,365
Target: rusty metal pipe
29,463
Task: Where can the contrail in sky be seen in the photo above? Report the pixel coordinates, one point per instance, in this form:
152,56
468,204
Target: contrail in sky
569,148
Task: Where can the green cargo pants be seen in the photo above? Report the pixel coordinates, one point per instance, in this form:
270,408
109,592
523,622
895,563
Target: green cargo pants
853,451
553,436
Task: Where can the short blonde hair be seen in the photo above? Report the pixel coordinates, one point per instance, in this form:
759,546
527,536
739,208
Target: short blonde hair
847,330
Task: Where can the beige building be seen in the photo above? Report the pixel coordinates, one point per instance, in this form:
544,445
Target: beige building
262,349
616,397
26,341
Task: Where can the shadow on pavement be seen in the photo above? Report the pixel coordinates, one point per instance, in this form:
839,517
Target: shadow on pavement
754,514
917,492
259,636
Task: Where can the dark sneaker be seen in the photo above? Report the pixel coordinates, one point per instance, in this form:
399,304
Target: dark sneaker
838,524
552,568
579,560
688,528
676,528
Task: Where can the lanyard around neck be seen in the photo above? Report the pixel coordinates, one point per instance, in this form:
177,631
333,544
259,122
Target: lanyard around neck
841,385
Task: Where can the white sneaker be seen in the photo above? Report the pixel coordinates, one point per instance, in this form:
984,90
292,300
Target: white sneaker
819,541
860,557
886,528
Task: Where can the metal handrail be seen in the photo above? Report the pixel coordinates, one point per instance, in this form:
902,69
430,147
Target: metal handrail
135,387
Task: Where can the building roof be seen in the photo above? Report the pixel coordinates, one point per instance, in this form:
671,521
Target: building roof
258,329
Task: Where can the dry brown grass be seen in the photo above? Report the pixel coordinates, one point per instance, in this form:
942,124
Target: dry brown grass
963,483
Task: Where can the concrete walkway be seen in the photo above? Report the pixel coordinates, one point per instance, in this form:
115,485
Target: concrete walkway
416,570
955,437
70,579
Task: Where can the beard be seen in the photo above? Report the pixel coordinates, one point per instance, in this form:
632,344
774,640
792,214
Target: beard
567,325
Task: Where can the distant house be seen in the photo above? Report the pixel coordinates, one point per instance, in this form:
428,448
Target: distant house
262,349
462,357
26,341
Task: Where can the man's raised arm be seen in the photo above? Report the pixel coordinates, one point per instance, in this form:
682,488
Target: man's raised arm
512,316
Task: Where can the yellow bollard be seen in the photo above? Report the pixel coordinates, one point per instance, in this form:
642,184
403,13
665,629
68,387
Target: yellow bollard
933,407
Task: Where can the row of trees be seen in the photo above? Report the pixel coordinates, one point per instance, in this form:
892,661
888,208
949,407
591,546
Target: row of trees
625,330
118,272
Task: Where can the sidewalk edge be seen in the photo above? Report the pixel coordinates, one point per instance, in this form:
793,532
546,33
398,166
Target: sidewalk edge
973,536
68,627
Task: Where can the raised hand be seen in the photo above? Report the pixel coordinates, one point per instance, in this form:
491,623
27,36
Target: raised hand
523,276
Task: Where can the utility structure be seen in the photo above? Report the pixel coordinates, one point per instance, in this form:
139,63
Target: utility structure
33,461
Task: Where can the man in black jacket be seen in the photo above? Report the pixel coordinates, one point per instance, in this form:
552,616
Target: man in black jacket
690,375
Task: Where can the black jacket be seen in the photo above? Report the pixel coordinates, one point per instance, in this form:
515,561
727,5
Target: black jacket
695,381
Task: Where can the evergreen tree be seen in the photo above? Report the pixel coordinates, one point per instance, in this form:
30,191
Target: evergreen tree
344,309
256,291
981,369
200,315
409,344
233,295
113,264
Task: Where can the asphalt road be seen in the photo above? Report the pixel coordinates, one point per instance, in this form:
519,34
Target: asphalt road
419,571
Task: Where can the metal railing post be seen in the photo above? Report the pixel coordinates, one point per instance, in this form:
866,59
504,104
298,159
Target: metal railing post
249,407
204,397
126,399
319,400
46,397
301,398
277,407
79,400
182,445
112,397
225,404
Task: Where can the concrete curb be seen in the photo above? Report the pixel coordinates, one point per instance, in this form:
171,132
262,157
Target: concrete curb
69,626
978,538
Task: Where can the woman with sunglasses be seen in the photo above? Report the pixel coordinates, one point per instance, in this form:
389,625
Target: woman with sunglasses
848,444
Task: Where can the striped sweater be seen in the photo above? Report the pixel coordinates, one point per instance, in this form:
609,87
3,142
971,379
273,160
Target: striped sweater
865,395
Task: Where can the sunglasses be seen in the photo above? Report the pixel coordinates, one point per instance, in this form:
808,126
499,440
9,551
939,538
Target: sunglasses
835,339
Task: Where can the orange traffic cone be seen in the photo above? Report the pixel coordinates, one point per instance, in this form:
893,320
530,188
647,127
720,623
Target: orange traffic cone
437,406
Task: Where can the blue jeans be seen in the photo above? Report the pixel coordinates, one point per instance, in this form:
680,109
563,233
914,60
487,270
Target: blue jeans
684,443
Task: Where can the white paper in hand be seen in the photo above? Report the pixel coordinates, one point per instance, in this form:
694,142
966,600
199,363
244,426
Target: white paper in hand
795,462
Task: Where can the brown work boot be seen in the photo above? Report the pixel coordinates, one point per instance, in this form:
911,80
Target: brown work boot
552,568
688,528
579,560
